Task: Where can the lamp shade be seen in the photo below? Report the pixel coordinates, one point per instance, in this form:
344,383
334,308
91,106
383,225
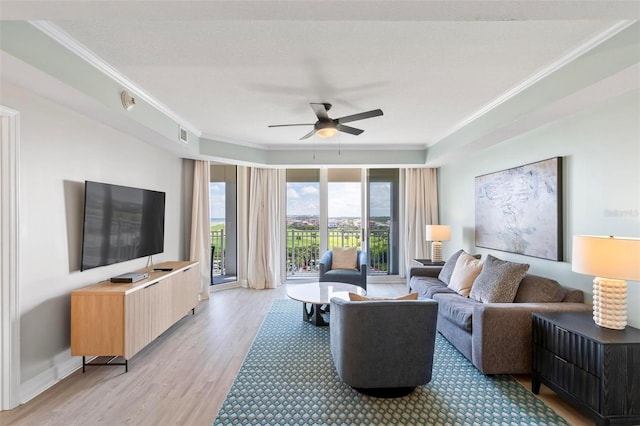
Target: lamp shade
607,257
438,233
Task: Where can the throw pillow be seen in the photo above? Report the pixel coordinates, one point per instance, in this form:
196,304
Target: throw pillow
358,298
449,266
345,258
464,274
498,281
536,289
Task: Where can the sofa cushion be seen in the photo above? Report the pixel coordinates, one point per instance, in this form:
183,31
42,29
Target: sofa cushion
534,289
457,309
426,287
466,271
499,280
449,266
338,274
345,258
573,296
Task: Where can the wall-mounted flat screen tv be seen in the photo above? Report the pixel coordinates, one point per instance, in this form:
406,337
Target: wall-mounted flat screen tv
120,223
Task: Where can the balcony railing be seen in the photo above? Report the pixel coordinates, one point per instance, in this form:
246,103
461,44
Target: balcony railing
379,250
303,250
303,254
217,252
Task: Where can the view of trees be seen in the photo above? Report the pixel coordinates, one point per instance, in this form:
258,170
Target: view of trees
303,246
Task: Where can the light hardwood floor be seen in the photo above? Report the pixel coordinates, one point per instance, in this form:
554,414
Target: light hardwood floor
183,376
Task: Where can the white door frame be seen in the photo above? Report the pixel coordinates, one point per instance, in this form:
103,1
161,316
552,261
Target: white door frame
364,210
9,302
323,183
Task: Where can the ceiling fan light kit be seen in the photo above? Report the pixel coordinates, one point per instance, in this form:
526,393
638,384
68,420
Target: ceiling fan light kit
327,127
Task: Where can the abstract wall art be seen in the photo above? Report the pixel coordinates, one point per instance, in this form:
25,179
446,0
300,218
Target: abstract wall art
519,210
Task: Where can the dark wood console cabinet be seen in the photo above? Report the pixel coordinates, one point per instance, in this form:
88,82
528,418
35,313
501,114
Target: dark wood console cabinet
596,369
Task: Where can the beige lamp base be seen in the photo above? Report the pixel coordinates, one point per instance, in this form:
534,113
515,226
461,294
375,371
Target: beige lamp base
436,251
610,303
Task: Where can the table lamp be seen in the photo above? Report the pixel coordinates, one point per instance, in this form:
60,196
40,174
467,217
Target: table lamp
612,260
436,234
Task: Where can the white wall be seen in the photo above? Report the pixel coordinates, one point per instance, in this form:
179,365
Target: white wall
601,153
60,149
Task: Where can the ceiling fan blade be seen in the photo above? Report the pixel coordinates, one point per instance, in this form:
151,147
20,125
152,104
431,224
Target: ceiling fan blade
289,125
360,116
320,110
308,135
349,129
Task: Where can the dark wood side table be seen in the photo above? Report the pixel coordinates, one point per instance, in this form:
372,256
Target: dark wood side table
596,369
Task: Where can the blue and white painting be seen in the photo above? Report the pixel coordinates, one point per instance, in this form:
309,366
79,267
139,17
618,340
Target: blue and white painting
519,210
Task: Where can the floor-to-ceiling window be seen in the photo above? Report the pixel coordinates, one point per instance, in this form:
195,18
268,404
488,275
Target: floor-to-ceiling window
342,207
383,220
303,222
223,208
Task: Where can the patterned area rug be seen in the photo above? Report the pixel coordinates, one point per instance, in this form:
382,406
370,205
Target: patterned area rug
288,378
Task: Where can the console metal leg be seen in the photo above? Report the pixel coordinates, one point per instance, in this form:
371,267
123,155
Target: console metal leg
110,362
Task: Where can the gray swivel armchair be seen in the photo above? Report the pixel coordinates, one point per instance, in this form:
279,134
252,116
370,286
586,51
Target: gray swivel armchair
355,277
383,348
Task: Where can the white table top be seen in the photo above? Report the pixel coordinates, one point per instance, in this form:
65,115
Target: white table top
321,293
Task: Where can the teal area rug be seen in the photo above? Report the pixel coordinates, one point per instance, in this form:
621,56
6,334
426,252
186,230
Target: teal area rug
288,378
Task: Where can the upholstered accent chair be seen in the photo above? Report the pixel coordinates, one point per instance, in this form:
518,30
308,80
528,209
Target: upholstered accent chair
383,347
356,276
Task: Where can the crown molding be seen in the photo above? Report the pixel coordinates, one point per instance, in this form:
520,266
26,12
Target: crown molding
64,39
540,75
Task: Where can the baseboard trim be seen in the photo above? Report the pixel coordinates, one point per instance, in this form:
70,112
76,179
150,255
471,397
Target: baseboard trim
225,286
43,381
385,279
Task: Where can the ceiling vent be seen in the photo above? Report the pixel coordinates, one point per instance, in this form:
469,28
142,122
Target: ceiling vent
183,135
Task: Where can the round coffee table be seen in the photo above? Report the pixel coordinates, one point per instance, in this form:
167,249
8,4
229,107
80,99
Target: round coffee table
314,295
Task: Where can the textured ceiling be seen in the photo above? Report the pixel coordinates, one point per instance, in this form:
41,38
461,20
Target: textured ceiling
229,69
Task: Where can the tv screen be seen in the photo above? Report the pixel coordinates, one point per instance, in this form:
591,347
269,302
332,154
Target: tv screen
120,224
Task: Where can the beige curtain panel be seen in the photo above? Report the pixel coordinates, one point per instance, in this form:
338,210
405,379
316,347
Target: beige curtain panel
200,225
263,268
421,209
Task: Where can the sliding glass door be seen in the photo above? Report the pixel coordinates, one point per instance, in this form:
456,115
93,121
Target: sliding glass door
223,208
303,222
382,213
344,208
328,208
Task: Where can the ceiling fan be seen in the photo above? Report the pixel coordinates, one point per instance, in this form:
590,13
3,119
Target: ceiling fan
326,127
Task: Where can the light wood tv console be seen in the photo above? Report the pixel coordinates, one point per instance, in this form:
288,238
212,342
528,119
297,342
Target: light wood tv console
119,319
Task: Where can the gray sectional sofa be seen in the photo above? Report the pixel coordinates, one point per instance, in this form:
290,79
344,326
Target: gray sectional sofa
495,337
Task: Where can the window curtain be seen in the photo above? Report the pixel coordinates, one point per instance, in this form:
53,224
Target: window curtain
260,192
420,209
243,224
200,225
